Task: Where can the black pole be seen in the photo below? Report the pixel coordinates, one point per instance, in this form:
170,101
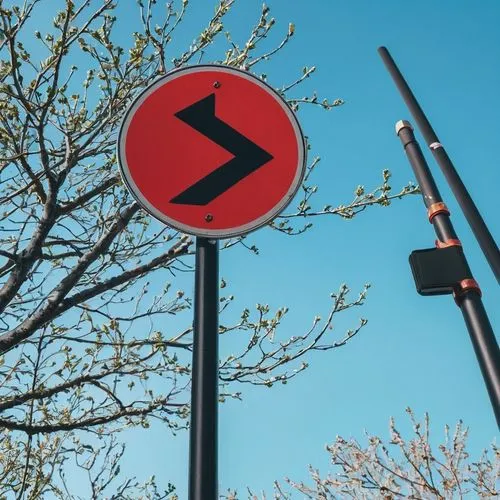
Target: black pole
467,293
203,476
476,222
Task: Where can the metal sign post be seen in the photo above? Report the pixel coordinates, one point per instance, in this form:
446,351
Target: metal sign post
476,222
444,269
204,374
215,152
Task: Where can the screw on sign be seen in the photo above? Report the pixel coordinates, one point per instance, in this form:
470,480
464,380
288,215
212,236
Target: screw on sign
215,152
211,151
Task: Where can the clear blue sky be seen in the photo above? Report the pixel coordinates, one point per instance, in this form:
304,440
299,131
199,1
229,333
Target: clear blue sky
415,351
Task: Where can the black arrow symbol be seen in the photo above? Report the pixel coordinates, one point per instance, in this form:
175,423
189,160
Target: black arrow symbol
248,157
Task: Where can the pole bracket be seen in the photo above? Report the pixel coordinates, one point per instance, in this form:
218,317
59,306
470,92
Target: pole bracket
441,271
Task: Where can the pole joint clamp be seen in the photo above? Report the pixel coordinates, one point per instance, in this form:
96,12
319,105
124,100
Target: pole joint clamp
437,208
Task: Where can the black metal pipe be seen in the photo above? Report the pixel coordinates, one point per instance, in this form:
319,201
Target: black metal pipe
485,345
470,303
428,188
474,218
203,472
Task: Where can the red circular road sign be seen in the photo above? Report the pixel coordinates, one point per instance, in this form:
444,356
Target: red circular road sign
212,151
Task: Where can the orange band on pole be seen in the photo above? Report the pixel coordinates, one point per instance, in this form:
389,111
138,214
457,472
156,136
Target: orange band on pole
448,243
437,208
464,286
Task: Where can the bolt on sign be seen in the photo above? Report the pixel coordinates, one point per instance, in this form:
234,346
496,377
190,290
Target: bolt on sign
211,151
